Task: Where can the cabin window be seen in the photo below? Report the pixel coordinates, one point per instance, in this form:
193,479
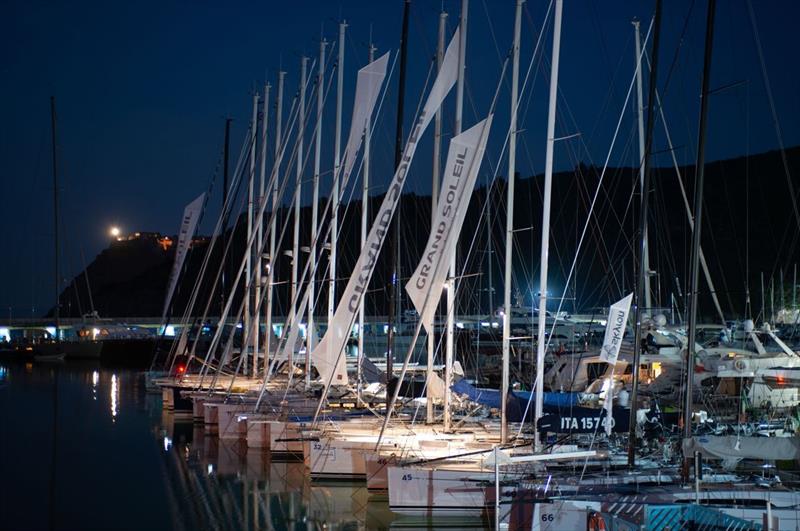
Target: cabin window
595,371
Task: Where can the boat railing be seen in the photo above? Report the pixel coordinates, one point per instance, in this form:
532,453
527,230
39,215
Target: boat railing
698,517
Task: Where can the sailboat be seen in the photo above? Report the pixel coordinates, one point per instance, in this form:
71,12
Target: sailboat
58,349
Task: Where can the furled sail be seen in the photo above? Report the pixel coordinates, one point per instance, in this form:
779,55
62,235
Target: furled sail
464,158
327,356
191,215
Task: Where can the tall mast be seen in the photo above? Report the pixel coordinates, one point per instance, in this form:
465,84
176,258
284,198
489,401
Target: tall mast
225,156
57,271
643,215
301,116
260,228
310,330
364,231
273,262
548,185
512,153
698,225
337,153
249,250
648,303
437,163
771,298
703,264
394,228
450,284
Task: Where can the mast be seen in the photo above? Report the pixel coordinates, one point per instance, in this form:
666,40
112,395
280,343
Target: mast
301,117
337,153
698,225
703,264
548,185
260,228
643,214
450,285
437,163
315,209
364,232
640,125
273,226
57,271
772,298
512,153
395,224
249,251
225,155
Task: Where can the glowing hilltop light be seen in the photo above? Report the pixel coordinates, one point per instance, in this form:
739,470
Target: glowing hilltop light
115,232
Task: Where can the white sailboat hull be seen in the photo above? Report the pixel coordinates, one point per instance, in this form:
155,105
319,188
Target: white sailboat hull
427,492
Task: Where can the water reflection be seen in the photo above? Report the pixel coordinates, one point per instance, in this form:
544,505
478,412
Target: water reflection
167,473
233,487
114,396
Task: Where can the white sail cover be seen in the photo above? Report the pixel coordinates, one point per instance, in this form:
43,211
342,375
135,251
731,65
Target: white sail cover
464,158
191,215
732,449
326,356
615,329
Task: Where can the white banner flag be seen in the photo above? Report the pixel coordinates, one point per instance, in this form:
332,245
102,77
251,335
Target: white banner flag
615,329
191,215
368,88
464,158
326,356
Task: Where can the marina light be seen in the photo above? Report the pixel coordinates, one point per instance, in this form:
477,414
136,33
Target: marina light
114,232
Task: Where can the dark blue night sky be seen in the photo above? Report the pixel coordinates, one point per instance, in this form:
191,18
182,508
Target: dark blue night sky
142,90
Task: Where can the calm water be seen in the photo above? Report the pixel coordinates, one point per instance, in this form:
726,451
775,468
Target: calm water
120,462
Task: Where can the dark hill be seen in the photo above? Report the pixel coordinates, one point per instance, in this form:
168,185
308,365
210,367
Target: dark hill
749,227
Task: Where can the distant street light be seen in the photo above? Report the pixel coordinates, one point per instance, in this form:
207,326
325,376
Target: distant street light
115,232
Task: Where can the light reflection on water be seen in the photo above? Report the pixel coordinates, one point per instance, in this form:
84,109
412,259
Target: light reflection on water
114,396
124,463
